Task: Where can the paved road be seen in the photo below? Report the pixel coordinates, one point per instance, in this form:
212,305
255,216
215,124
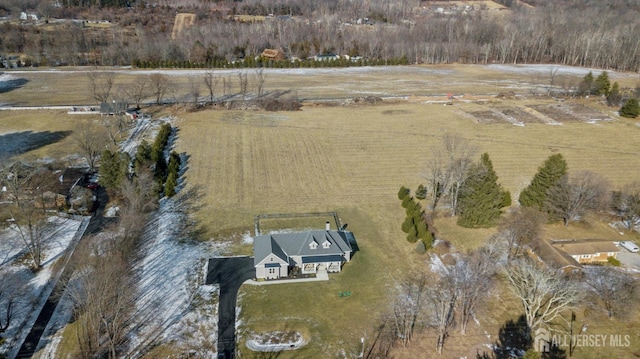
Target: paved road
229,273
30,343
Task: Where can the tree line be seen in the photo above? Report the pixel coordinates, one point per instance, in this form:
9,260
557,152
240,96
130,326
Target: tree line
578,33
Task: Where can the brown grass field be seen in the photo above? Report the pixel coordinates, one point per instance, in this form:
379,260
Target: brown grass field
353,159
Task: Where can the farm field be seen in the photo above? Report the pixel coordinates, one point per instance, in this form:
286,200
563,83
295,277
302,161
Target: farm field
70,86
352,158
327,157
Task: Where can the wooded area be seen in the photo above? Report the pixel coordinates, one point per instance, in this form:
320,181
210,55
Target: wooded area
578,33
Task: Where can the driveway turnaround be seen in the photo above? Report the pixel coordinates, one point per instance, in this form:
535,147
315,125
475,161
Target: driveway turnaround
229,273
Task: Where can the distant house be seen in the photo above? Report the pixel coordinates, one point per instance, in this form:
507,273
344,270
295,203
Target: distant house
555,258
587,251
326,57
277,255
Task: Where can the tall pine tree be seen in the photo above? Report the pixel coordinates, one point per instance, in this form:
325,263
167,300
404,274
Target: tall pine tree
551,171
114,168
482,197
602,84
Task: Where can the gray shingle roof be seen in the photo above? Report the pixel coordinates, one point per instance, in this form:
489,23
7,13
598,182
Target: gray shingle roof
285,245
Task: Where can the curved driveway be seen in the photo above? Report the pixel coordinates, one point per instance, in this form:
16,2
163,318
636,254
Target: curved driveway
229,273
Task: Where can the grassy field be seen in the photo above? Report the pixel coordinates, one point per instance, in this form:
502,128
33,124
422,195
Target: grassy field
48,133
70,86
353,159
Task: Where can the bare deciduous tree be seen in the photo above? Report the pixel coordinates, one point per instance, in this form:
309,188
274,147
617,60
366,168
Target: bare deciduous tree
159,84
138,90
260,79
474,277
408,306
616,290
443,296
576,195
448,168
244,83
521,227
626,204
194,90
101,84
28,190
103,298
211,82
90,139
544,293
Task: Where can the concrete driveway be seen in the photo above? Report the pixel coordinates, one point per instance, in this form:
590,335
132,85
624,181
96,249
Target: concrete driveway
229,273
628,259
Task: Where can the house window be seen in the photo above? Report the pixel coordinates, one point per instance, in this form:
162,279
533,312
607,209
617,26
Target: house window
326,244
586,256
272,271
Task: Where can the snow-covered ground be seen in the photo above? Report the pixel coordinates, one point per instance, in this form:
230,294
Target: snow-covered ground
275,342
172,304
546,69
34,288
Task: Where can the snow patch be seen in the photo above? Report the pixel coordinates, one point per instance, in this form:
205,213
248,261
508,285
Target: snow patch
246,238
33,288
173,305
112,211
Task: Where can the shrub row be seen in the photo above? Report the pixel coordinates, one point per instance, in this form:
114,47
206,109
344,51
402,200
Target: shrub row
250,62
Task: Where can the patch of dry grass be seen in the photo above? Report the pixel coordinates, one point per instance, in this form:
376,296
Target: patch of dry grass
44,121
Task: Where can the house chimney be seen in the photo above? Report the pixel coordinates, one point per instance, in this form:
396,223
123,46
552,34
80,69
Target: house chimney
327,226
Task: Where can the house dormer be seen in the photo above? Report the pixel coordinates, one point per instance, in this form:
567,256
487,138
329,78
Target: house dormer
326,244
313,244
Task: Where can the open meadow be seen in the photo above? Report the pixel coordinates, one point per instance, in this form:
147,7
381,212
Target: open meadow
352,158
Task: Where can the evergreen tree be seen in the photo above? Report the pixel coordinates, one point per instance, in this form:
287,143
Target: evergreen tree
481,198
602,84
421,192
614,97
586,86
403,193
114,167
630,109
535,195
414,225
143,156
170,185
